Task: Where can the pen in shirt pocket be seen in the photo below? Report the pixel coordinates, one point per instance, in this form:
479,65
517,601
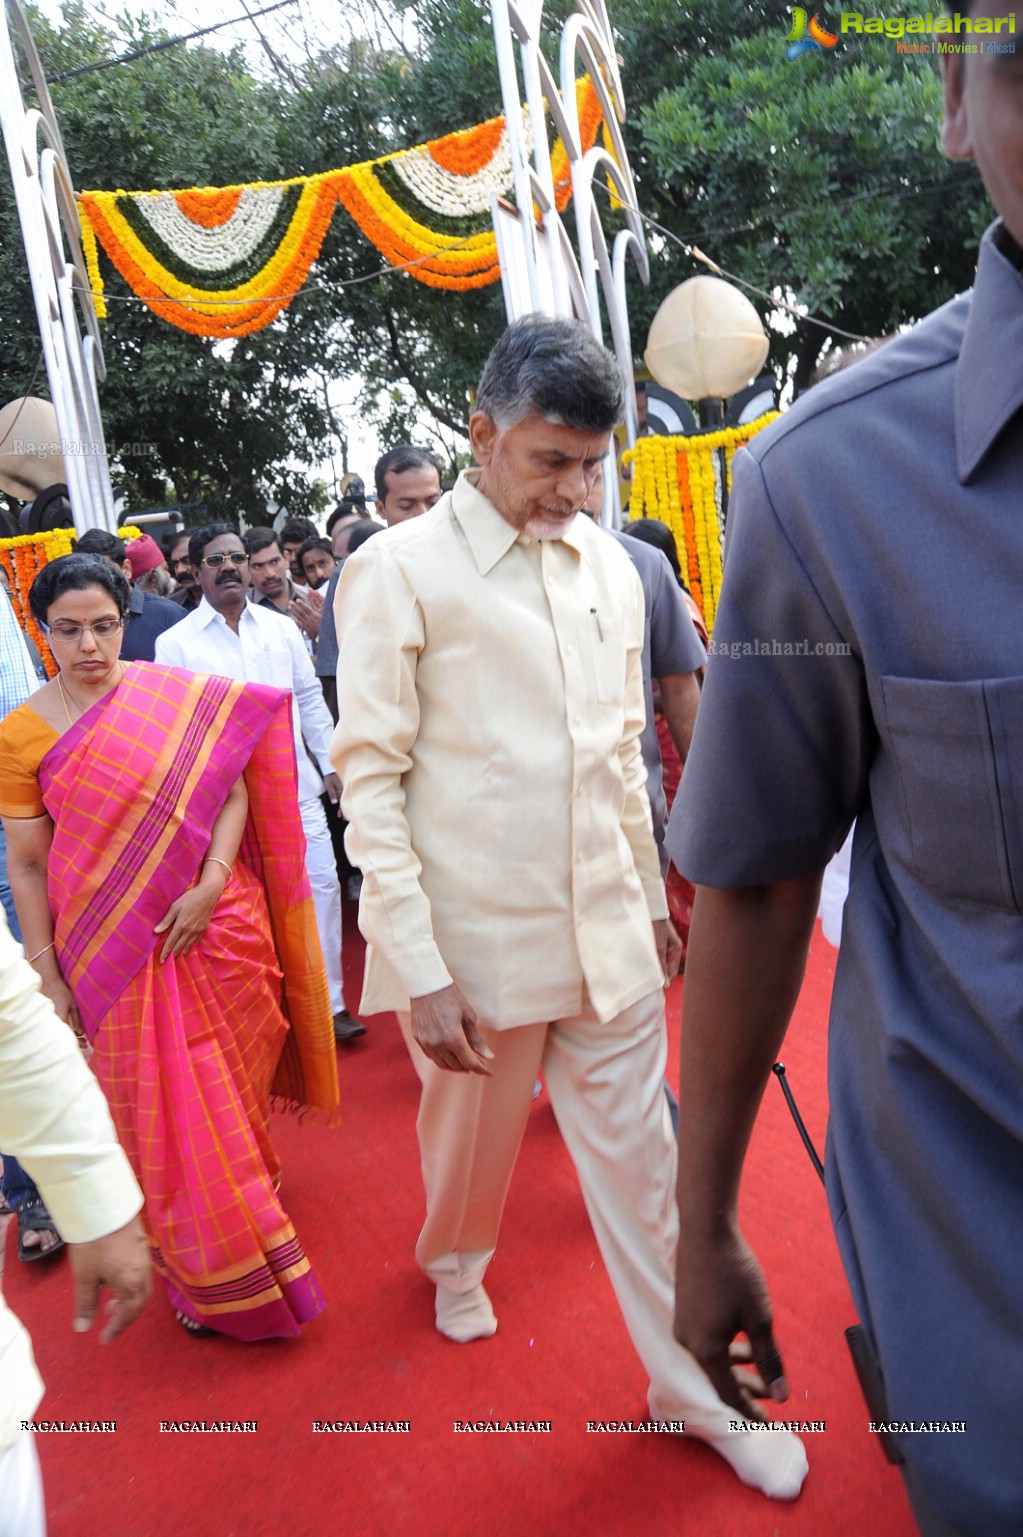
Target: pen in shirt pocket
600,633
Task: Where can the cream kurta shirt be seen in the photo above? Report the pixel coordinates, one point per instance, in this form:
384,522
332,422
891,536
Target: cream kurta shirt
490,695
54,1118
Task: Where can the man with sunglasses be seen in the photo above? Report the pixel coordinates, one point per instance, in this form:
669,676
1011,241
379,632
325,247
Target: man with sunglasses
232,637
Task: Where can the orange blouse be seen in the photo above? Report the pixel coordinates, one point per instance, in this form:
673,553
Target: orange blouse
25,739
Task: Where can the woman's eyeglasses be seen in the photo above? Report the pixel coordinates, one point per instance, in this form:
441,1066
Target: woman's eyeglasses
103,629
237,557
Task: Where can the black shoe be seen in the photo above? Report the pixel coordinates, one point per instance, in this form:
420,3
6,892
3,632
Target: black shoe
347,1027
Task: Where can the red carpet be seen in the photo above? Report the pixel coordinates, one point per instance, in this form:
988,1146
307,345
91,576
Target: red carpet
561,1354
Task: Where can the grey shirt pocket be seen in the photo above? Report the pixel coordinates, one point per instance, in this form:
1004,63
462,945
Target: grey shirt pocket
958,748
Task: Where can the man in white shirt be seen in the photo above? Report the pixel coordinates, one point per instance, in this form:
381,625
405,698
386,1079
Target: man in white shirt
233,638
490,696
54,1116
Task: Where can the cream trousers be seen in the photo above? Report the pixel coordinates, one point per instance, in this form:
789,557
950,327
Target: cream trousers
21,1490
606,1084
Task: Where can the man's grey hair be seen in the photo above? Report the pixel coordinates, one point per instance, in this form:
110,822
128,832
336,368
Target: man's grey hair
555,369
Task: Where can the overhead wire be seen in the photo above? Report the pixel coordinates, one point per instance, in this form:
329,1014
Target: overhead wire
341,283
693,250
167,42
23,400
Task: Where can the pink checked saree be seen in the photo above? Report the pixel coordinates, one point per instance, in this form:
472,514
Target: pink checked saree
189,1051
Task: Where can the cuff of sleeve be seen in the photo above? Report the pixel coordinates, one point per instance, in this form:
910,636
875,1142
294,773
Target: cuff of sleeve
87,1207
422,971
656,900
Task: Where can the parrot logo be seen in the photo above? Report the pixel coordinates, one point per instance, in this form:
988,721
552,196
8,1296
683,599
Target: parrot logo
808,35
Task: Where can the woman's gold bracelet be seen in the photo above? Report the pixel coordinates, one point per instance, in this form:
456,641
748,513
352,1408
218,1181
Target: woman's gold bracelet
211,859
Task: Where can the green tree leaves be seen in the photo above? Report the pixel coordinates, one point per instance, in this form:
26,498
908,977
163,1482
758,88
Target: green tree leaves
820,180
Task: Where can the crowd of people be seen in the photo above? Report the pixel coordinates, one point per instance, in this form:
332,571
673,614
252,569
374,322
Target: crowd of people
224,614
481,689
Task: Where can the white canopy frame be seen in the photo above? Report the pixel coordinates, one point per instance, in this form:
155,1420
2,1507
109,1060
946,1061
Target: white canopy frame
68,328
541,269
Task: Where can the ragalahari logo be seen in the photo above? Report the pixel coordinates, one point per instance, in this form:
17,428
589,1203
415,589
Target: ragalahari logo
808,35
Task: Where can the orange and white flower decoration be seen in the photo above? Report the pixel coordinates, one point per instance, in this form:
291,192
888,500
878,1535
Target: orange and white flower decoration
224,261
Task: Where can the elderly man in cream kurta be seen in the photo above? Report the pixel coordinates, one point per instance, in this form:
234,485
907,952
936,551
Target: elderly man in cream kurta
491,699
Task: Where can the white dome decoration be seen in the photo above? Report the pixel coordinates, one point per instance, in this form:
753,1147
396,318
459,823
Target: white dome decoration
30,457
706,341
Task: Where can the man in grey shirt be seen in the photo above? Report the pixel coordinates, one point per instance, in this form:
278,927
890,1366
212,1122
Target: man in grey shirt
672,656
867,662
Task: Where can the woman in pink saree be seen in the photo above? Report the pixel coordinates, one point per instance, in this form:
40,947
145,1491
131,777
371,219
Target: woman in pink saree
155,859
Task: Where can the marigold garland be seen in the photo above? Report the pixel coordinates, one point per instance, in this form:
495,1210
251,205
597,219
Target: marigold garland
590,115
688,553
271,254
91,254
679,480
224,261
23,558
466,153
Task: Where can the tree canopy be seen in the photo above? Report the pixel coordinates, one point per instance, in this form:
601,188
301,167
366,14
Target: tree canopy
819,181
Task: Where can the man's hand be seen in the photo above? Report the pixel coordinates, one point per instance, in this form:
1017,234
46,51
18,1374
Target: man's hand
59,994
119,1261
307,614
669,949
332,787
720,1292
444,1024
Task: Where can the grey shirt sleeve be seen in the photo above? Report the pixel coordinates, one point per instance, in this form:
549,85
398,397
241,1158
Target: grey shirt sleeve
326,645
783,739
675,646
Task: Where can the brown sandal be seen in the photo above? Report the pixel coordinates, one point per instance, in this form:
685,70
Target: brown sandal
34,1218
193,1327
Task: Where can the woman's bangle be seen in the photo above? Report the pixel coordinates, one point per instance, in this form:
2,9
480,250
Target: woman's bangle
42,951
211,859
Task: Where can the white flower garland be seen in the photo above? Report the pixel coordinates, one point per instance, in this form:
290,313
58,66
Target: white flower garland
212,250
445,192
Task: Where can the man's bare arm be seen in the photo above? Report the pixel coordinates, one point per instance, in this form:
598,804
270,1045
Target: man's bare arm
744,968
680,699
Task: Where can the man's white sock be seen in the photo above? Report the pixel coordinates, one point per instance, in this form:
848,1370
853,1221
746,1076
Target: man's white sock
465,1316
773,1461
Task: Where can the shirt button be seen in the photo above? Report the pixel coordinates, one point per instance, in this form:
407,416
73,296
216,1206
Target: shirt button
568,650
